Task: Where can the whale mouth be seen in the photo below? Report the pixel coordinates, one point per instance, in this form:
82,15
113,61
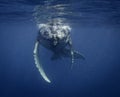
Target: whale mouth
38,64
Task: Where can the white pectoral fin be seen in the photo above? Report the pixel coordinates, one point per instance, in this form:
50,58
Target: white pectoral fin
38,64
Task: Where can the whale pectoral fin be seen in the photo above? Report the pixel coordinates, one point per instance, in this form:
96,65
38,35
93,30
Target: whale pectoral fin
77,55
38,64
73,55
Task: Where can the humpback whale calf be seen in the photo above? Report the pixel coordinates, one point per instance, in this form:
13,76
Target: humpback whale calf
54,36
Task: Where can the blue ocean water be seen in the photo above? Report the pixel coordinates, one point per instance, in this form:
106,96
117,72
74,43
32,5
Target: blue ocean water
95,33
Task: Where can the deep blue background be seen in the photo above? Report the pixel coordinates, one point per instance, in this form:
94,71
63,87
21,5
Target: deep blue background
96,34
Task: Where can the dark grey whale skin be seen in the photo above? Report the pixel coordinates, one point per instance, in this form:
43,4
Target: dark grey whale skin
61,49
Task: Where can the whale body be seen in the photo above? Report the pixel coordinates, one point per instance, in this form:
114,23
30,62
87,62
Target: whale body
55,37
